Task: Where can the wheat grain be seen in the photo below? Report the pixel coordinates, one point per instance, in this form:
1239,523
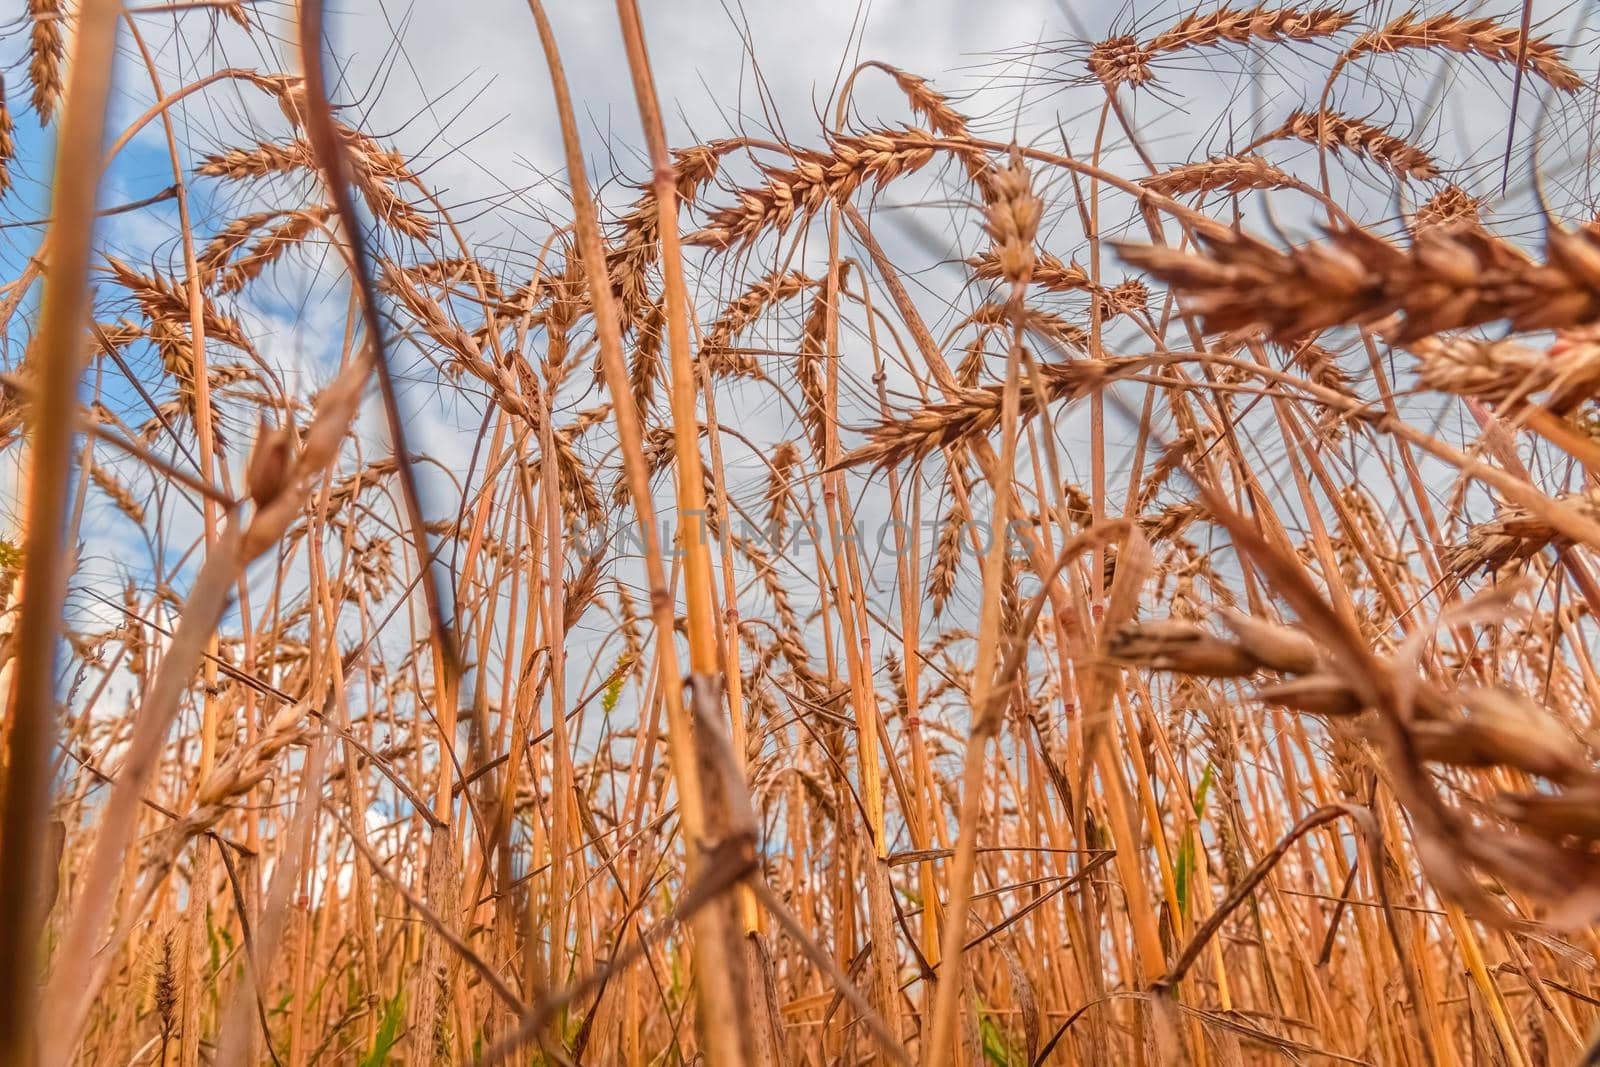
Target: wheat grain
1127,297
928,102
1242,26
263,159
1330,130
8,144
1120,61
47,53
739,314
975,413
1124,61
1449,208
1049,272
1013,221
1483,37
229,240
1514,535
1224,174
1035,320
780,487
118,493
1443,281
947,558
271,245
792,194
164,301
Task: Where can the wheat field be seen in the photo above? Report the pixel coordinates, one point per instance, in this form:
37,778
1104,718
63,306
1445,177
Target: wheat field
1088,557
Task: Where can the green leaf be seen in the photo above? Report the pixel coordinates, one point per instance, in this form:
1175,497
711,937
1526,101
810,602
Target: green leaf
1184,870
388,1034
1200,793
996,1049
214,943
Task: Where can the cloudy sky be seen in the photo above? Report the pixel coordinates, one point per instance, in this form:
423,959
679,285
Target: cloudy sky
721,66
462,87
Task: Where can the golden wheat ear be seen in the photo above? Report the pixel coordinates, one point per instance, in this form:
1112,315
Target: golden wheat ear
1330,130
8,144
1485,38
47,54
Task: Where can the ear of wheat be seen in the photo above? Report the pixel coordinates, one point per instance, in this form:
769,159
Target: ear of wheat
1450,207
795,193
8,145
1125,61
1220,174
46,55
1444,281
1336,132
1482,37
